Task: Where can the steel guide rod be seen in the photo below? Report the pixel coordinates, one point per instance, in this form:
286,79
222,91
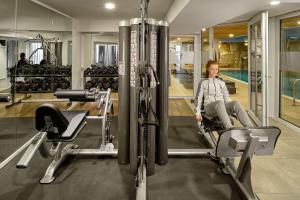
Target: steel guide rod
141,173
114,153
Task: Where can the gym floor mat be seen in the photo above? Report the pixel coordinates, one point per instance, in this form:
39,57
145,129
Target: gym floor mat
93,178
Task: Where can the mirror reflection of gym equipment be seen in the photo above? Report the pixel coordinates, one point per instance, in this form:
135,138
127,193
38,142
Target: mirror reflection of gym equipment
98,111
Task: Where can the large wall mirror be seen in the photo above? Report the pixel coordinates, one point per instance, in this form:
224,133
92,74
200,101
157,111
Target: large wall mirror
35,61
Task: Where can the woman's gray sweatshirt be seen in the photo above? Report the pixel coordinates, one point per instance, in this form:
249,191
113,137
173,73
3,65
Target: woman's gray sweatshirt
210,90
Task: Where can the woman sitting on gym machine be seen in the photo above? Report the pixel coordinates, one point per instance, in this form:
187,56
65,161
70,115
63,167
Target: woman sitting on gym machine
217,103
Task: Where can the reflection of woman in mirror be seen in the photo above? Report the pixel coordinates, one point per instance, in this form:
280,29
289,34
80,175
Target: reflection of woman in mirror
23,60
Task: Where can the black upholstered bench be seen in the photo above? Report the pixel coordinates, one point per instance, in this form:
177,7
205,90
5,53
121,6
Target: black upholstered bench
59,125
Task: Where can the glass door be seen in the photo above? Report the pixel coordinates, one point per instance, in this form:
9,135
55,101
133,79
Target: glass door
106,54
112,54
290,70
258,68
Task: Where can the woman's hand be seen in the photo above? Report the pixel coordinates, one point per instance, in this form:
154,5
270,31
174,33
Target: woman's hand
199,118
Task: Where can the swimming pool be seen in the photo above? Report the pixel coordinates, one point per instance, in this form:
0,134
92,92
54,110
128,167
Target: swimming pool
286,81
241,75
286,86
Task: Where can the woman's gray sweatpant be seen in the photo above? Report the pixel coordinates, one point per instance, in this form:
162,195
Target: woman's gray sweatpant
224,109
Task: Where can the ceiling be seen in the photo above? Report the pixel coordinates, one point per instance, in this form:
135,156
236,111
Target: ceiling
188,18
94,9
273,11
291,22
238,30
183,39
207,13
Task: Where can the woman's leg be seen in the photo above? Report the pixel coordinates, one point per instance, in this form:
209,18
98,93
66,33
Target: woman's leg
236,107
218,109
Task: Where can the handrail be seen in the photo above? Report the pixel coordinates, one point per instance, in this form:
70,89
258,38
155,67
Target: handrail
294,87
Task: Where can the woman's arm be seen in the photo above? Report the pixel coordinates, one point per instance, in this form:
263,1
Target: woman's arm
199,98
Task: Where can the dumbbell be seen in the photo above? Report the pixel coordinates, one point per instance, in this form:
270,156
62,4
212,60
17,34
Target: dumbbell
95,80
116,69
48,71
67,84
19,71
55,86
31,71
35,84
111,82
89,85
64,71
19,86
87,72
63,83
56,71
98,85
61,70
44,84
104,70
26,86
98,71
41,71
57,82
68,71
111,70
105,83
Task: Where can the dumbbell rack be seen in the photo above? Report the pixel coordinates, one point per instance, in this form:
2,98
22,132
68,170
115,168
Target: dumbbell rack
90,77
13,80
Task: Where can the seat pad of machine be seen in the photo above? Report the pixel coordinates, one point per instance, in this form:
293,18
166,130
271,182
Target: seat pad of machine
75,119
66,122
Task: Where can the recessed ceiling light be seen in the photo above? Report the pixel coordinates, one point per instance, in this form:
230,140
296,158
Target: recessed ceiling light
178,38
204,29
275,3
298,22
110,6
231,35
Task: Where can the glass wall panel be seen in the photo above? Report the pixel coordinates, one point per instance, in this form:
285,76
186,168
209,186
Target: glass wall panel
181,65
290,70
8,57
42,36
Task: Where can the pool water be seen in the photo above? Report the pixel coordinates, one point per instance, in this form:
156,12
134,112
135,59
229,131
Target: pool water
286,86
286,81
241,75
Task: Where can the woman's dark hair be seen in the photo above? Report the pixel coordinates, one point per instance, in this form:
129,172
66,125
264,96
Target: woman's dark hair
208,64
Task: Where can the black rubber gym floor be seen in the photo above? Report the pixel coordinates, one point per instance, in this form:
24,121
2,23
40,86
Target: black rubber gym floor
97,178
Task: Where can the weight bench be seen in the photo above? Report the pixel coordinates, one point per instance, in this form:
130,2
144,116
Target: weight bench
57,127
